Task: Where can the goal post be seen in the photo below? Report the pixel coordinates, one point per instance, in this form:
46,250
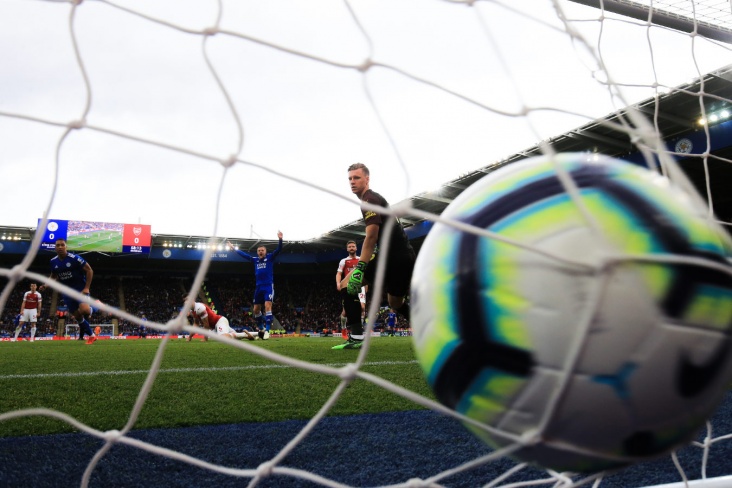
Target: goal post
708,18
72,330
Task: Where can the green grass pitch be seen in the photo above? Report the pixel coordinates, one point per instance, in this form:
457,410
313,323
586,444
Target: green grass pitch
104,241
199,382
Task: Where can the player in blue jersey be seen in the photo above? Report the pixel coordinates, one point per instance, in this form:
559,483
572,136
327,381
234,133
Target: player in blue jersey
391,322
73,271
264,283
16,323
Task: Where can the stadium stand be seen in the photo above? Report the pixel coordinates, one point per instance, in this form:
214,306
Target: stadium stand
308,303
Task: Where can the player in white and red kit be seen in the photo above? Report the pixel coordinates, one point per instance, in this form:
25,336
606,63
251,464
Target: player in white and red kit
204,317
30,311
345,266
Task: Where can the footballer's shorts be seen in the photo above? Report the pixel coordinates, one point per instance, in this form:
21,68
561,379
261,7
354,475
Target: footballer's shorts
398,273
263,293
29,315
223,327
72,304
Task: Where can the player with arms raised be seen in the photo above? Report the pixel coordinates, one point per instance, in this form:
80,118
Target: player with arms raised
264,283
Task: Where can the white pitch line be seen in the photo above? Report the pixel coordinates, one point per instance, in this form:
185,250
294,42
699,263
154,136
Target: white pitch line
181,370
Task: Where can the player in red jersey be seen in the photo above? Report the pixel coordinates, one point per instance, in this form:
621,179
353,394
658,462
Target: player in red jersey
345,266
204,317
30,311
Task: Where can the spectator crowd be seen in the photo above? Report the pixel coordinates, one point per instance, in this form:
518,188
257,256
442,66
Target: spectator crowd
301,303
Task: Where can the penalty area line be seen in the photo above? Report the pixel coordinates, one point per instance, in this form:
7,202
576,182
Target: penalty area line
184,370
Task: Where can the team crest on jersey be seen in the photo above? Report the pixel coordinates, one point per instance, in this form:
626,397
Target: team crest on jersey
68,265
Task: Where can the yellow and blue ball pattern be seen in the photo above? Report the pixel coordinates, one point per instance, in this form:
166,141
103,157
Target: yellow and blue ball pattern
596,323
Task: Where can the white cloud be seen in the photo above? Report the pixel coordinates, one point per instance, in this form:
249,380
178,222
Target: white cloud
300,117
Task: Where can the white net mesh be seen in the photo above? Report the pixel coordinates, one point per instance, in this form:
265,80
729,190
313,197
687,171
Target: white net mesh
200,99
711,18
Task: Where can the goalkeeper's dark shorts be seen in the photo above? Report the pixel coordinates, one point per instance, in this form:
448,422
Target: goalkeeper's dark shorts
398,271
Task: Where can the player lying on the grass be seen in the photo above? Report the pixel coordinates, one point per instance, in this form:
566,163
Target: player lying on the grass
204,317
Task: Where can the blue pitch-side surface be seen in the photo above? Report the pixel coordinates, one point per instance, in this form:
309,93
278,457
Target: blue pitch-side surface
363,450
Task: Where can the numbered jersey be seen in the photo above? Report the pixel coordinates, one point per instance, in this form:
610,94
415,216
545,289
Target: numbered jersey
399,243
201,310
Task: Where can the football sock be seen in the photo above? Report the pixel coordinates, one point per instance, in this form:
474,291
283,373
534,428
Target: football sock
33,333
352,306
268,321
85,328
17,332
259,319
343,321
356,331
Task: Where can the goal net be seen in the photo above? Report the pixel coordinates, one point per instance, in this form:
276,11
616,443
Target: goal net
192,110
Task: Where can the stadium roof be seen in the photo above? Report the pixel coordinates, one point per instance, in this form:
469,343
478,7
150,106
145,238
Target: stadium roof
675,114
709,18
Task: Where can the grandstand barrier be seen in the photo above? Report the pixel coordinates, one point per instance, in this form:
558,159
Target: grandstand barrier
401,332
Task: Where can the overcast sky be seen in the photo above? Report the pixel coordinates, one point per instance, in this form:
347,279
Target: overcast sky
307,116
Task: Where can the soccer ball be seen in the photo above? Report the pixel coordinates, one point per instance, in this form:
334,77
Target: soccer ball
591,329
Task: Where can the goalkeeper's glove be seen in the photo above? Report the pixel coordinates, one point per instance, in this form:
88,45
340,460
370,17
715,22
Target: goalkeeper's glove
355,282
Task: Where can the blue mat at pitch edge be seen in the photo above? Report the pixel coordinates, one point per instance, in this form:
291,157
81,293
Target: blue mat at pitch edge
363,450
